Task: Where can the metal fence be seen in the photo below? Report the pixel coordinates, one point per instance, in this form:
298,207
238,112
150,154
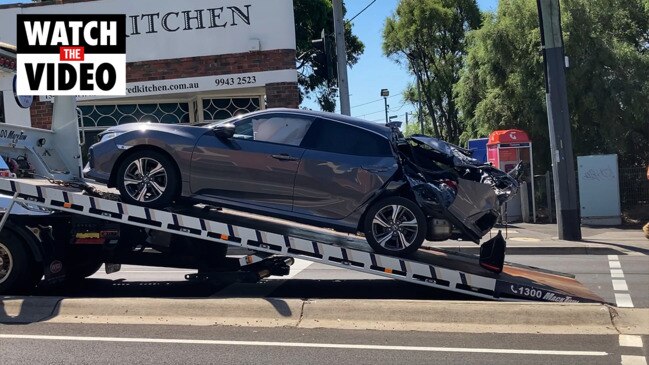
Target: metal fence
634,194
634,188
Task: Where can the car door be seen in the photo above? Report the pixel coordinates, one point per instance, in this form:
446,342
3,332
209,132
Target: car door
342,167
257,166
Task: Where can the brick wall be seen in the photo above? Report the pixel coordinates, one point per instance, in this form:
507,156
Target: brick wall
282,95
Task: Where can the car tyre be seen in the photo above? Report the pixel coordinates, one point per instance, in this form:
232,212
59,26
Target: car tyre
395,226
148,178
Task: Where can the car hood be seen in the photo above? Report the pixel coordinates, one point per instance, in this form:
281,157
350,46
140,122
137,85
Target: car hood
139,130
447,152
171,128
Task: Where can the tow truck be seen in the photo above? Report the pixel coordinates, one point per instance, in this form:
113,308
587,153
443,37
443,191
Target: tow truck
57,227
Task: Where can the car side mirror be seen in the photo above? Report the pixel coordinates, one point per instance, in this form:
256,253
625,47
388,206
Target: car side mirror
224,131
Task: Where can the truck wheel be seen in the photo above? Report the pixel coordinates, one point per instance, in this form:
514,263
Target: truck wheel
16,264
395,226
148,178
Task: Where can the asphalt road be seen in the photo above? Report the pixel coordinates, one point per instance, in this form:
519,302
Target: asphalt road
127,344
312,280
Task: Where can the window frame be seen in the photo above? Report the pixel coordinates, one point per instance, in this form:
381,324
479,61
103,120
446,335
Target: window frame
361,129
275,115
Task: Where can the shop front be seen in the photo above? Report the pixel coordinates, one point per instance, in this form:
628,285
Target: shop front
188,62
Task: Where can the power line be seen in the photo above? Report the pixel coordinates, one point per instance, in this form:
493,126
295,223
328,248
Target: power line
361,12
375,101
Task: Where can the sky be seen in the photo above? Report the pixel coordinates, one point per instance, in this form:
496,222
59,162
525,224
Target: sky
374,71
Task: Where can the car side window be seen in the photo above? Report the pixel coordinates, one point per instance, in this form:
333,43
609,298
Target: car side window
281,129
243,129
329,136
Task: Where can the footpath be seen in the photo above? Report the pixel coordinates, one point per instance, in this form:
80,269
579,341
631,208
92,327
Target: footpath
542,239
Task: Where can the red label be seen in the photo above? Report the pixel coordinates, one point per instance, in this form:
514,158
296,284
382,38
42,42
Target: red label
72,54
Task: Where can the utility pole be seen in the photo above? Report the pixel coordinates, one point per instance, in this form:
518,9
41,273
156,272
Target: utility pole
341,56
563,166
406,119
420,115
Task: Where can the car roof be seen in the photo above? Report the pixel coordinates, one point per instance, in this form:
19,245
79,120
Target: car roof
373,127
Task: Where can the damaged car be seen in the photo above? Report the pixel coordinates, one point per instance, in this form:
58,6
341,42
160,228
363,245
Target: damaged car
321,169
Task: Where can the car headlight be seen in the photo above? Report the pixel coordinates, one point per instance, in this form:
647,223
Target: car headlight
107,135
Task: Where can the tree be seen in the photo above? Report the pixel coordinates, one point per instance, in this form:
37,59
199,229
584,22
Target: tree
607,42
311,17
428,37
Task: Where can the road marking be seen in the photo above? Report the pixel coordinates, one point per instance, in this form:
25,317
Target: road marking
633,360
620,285
307,345
630,341
623,300
617,273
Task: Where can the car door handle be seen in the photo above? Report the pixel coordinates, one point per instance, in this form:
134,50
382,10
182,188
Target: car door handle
284,157
374,169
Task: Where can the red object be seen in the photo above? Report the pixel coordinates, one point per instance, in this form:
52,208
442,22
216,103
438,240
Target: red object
508,136
509,154
72,54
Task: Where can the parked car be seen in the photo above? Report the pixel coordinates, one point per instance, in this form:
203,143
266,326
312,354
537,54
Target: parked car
317,168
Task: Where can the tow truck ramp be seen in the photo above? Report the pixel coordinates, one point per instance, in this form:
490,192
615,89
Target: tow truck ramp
444,270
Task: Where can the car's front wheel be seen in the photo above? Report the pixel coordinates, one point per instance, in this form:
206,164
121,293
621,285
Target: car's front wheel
148,178
395,226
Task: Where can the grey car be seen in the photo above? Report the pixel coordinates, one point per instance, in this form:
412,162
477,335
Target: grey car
316,168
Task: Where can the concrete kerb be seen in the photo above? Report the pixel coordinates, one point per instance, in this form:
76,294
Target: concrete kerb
28,309
401,315
199,312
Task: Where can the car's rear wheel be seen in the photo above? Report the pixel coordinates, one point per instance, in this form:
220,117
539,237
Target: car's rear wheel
395,226
148,178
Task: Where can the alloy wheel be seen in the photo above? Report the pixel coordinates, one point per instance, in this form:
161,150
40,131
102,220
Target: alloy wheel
145,180
395,227
6,263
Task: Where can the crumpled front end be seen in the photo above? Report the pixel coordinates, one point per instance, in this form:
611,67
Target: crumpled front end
454,188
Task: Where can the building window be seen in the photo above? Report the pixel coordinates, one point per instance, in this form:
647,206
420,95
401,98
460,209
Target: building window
103,116
2,108
224,108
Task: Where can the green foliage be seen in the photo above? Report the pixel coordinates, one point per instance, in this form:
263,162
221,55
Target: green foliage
607,42
311,17
428,37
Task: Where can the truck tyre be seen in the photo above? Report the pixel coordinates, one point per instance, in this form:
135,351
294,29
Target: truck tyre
148,178
17,267
395,226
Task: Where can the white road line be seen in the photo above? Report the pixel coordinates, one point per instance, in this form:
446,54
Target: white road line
620,285
617,273
630,341
633,360
623,300
308,345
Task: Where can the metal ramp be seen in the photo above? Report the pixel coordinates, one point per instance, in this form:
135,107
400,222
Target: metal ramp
431,267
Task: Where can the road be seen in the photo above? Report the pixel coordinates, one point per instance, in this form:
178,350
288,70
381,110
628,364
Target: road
109,344
312,280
